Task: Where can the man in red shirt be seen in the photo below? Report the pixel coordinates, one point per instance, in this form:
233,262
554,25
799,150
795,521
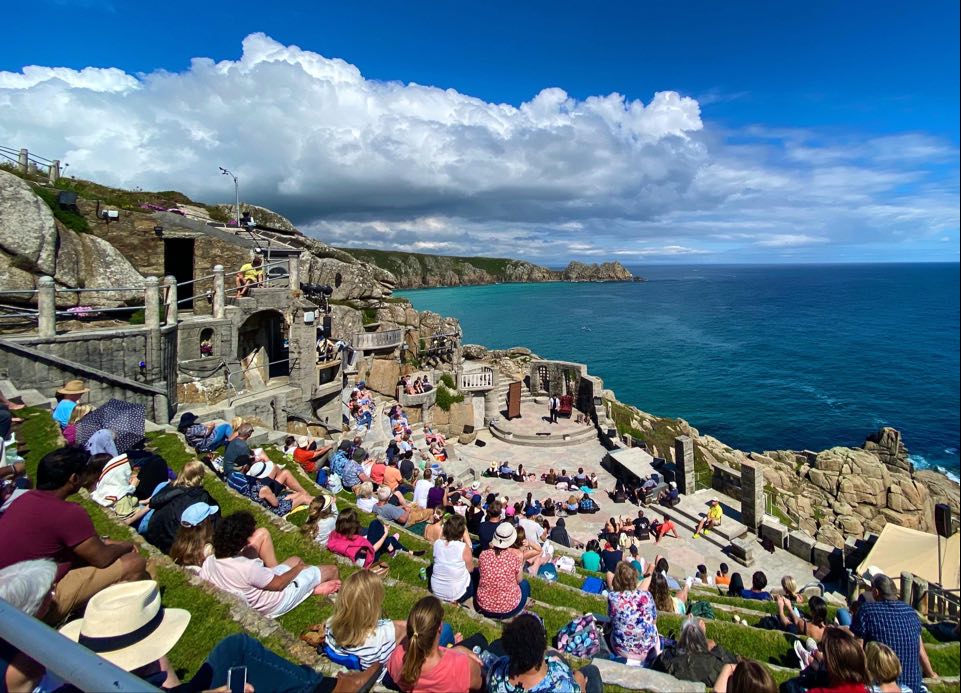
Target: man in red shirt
662,529
42,524
307,454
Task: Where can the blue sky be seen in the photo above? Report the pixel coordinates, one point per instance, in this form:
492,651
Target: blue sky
739,132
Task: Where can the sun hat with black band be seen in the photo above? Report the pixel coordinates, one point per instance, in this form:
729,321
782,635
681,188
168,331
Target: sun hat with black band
127,625
260,469
504,536
186,421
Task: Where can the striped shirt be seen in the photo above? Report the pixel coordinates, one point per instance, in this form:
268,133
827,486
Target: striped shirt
376,648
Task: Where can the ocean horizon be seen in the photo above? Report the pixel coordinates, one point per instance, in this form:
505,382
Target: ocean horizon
762,357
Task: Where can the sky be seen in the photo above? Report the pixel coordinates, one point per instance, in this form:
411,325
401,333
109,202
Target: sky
645,132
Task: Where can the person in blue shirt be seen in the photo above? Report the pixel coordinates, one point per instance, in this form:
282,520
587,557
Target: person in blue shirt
757,591
69,395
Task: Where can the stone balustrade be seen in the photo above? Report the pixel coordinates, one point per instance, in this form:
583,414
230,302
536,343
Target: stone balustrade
371,341
477,380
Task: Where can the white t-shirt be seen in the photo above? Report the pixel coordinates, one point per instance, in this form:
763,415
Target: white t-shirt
324,528
421,488
450,578
245,577
532,530
366,504
376,648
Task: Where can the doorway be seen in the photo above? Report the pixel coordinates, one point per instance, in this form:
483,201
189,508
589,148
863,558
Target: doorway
262,347
179,263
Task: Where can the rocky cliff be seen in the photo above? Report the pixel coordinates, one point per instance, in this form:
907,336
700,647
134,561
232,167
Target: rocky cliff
417,270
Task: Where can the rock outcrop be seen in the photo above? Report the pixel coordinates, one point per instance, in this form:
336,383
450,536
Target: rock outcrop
33,243
603,272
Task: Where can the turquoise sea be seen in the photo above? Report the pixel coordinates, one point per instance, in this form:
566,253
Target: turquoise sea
800,357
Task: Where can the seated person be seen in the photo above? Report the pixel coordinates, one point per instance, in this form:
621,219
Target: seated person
694,657
712,519
425,385
352,473
591,558
811,627
721,578
587,505
357,626
399,511
669,496
505,471
237,447
642,526
633,616
124,610
70,430
423,660
438,451
592,480
550,478
203,437
306,452
252,479
661,528
116,486
757,591
168,504
43,524
502,591
68,396
570,506
558,534
610,557
563,479
321,519
363,546
581,479
548,509
519,475
492,470
666,602
528,667
251,274
271,592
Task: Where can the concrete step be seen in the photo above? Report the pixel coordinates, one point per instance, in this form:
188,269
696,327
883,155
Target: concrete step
688,513
32,398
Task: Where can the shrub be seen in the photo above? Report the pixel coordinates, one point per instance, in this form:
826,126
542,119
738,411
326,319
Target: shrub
448,380
446,399
71,220
368,316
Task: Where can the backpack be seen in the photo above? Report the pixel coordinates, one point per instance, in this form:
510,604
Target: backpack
702,609
592,585
334,484
548,572
565,564
581,637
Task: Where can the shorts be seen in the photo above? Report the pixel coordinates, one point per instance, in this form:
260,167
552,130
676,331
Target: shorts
78,586
298,590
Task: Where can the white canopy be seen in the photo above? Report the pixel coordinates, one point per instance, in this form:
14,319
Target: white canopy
899,549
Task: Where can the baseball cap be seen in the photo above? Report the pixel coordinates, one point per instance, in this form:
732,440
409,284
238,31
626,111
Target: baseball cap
194,514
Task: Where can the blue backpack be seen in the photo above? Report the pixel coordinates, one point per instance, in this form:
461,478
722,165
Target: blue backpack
548,572
593,585
337,462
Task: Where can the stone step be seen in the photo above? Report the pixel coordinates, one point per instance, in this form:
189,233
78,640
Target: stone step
32,398
722,536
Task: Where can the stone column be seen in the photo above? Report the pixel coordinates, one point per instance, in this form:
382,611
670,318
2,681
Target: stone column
170,284
23,160
492,403
752,495
53,174
293,270
684,463
151,299
46,307
220,297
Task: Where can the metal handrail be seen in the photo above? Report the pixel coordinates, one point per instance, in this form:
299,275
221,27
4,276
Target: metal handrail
63,657
14,292
29,156
226,272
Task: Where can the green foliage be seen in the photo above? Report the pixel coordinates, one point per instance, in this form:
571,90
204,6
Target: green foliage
448,380
399,262
137,317
447,398
368,315
72,220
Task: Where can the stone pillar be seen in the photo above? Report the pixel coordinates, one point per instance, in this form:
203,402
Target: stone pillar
170,285
151,299
220,296
53,174
752,495
684,464
293,270
907,587
46,307
492,403
23,161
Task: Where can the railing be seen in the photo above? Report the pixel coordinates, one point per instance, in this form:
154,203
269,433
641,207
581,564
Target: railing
472,381
63,657
368,341
703,478
24,161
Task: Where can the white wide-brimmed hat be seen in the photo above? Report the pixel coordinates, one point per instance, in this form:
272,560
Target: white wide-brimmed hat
127,625
303,441
260,469
504,536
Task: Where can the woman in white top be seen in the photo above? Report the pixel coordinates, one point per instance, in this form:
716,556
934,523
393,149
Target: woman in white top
321,518
422,488
365,497
450,574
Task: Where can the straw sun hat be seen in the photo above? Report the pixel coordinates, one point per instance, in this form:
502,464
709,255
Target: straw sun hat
504,536
126,624
73,387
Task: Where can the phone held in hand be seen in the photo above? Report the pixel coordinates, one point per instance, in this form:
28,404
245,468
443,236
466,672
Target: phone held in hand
237,679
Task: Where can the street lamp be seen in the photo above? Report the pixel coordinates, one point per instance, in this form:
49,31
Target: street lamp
236,191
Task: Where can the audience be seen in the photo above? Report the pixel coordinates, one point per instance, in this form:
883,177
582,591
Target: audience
421,662
694,657
70,430
363,546
485,531
844,663
68,396
735,585
747,676
167,505
591,558
194,541
204,437
884,669
721,578
664,600
757,591
253,480
26,586
559,534
321,518
811,627
450,575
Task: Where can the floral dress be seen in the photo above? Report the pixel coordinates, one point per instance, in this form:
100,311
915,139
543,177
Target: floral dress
633,624
559,678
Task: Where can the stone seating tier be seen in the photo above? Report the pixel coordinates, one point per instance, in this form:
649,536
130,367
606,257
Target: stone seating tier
693,507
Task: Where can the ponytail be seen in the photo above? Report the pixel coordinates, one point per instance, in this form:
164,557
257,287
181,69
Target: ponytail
423,624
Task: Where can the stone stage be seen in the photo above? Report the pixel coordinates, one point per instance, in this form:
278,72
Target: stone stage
533,428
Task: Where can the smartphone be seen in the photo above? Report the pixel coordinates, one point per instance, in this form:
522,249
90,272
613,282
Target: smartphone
236,679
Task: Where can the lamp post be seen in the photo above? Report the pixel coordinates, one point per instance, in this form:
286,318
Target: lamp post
236,191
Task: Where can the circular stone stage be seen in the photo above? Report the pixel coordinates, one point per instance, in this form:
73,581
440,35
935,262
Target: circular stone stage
533,428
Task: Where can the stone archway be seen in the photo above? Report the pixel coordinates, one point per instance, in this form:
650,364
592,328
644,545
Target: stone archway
262,347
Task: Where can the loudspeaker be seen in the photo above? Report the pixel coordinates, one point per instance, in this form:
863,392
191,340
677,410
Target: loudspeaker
328,325
942,519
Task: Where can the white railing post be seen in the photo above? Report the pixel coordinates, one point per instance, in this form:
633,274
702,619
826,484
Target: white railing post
46,307
23,161
151,299
53,173
170,284
219,292
293,273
